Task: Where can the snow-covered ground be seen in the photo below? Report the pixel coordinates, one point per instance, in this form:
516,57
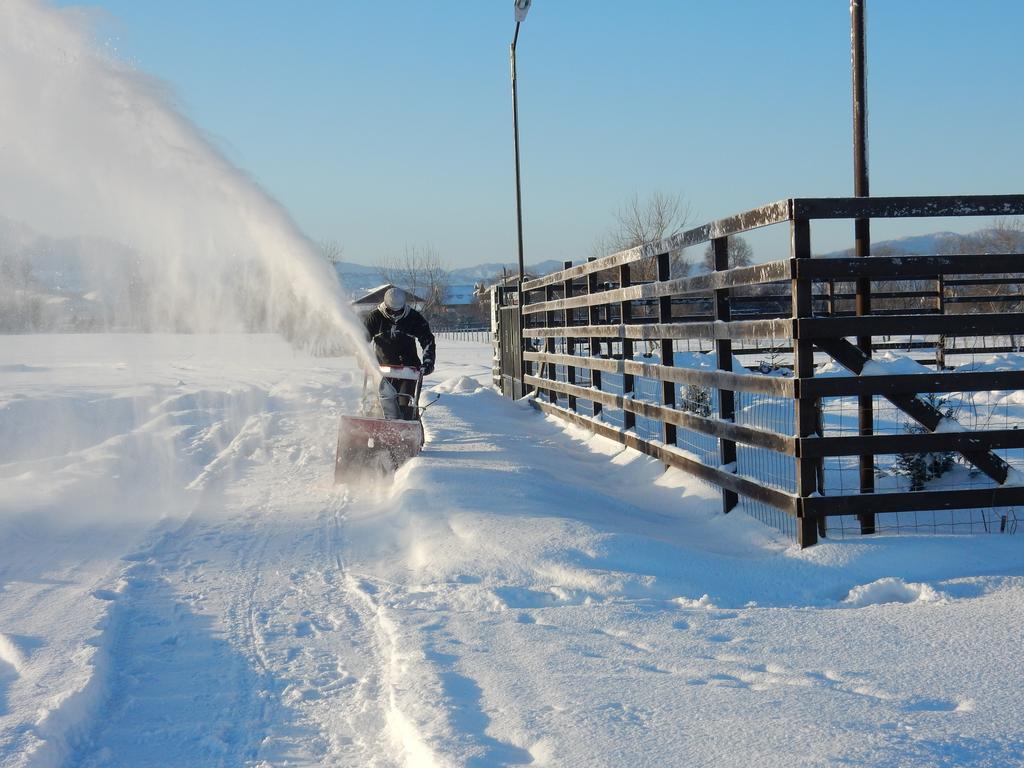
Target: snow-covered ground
181,584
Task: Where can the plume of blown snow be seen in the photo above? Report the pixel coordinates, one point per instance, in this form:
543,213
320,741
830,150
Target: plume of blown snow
93,147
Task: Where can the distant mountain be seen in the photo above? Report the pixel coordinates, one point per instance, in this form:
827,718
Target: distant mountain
82,283
492,271
356,278
913,245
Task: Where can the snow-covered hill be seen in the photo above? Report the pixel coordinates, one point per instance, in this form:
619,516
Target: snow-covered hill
182,584
358,278
931,243
93,279
86,283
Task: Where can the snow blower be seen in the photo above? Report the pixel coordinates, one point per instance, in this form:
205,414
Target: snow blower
370,444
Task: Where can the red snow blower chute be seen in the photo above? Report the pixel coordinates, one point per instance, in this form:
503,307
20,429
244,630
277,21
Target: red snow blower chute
370,444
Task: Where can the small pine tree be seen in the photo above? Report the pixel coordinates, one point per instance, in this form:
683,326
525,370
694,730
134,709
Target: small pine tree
922,467
697,400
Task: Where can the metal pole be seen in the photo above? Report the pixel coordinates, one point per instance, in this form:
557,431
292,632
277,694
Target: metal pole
862,229
519,203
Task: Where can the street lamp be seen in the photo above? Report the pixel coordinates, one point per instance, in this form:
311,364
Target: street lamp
522,8
862,231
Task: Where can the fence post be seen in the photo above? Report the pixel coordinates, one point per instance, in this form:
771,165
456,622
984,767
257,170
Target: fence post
668,388
594,318
723,356
626,317
570,342
805,411
495,339
527,367
862,234
549,343
940,345
511,342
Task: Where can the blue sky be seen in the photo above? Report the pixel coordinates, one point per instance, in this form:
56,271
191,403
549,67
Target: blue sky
386,123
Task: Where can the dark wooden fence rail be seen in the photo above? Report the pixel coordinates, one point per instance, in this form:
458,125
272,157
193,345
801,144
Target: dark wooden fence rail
599,319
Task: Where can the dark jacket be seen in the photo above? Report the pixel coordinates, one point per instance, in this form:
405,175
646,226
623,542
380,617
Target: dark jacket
395,339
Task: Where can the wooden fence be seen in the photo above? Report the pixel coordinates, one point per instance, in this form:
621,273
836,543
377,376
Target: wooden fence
787,408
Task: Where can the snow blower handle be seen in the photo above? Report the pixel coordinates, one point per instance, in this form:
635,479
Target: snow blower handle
419,388
408,372
437,396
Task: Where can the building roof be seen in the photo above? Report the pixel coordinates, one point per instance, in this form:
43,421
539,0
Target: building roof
459,295
376,295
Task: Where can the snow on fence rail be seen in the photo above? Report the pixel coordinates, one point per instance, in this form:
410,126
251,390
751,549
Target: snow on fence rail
747,377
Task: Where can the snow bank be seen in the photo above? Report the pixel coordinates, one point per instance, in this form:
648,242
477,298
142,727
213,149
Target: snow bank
1006,361
890,590
884,363
458,384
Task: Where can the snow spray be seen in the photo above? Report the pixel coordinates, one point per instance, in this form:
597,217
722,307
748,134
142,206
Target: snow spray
92,148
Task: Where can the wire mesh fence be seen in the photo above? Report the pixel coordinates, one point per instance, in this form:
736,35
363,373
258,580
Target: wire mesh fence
981,520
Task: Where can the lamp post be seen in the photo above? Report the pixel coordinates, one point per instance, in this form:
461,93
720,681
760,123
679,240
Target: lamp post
862,230
522,8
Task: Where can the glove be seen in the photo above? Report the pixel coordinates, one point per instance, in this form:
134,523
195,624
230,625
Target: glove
428,368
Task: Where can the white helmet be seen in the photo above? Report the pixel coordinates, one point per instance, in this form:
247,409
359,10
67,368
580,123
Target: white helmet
394,299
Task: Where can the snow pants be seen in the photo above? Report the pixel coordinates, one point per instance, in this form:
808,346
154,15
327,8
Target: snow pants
396,398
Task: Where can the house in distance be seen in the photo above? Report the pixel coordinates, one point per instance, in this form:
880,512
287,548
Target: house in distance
371,299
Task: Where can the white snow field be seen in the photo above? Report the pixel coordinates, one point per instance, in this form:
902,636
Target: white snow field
182,584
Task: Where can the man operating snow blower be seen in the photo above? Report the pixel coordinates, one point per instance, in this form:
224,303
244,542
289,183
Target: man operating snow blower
377,441
394,328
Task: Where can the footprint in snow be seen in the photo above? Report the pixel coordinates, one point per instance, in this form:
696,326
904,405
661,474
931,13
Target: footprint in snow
937,705
634,646
729,681
846,684
625,714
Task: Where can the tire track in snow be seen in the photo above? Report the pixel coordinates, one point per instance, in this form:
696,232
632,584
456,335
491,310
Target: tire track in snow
320,646
179,692
240,637
367,717
186,680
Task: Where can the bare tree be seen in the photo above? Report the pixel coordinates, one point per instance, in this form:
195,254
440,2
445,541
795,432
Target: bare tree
740,253
637,222
420,271
1006,235
332,250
